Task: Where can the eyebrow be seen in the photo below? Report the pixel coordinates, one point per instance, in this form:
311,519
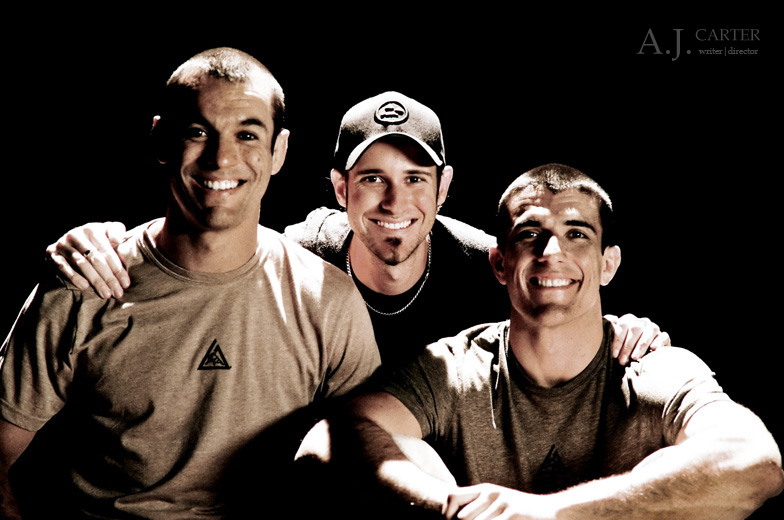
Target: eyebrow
580,223
380,171
252,122
536,223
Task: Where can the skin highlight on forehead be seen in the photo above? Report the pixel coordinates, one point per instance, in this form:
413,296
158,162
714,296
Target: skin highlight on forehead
533,204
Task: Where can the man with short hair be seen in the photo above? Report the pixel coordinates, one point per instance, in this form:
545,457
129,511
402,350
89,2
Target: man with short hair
532,417
209,365
423,276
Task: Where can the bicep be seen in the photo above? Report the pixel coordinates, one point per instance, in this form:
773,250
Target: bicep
388,412
723,420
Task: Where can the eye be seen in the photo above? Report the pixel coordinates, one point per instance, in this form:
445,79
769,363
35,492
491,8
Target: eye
247,136
525,235
577,234
371,179
195,132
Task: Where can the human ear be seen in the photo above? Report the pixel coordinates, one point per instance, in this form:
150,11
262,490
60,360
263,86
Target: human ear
443,184
339,185
496,257
280,150
611,260
158,141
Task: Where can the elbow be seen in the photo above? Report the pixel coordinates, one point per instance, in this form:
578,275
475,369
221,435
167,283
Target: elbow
766,477
316,446
757,456
773,478
771,469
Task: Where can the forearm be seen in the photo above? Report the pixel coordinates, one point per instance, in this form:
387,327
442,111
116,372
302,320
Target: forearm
359,452
694,480
8,506
396,477
13,441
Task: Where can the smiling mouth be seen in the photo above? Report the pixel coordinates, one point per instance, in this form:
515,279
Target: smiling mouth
394,225
551,282
223,185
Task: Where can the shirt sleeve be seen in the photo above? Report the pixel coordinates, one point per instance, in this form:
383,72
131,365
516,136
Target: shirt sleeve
429,386
36,368
680,383
354,355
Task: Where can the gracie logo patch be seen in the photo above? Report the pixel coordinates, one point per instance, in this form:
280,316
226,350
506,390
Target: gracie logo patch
214,358
391,113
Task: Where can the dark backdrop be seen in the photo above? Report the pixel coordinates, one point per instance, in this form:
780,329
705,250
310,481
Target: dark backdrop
683,141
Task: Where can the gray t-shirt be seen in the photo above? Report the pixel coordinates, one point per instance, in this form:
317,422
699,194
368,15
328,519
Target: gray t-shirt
167,389
491,423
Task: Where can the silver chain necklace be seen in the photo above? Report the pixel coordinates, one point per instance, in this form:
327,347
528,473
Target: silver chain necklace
406,306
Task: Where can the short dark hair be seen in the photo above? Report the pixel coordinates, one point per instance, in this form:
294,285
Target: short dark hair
226,63
556,178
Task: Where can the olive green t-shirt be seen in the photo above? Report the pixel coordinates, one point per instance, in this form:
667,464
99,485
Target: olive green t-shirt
491,423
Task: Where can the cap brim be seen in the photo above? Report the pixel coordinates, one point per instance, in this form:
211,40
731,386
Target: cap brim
357,152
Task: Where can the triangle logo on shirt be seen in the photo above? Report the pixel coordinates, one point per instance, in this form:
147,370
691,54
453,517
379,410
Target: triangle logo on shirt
550,472
214,358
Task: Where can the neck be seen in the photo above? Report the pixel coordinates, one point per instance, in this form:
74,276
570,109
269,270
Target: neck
383,278
553,355
205,251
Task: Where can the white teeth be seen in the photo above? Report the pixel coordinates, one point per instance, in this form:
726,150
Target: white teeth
551,283
393,225
220,185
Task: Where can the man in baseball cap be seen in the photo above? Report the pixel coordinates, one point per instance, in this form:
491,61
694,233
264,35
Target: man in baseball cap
391,176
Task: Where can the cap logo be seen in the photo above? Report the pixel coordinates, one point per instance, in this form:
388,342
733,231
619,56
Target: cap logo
391,113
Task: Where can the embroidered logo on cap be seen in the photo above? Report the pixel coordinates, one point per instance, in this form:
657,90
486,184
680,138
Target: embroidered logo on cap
391,113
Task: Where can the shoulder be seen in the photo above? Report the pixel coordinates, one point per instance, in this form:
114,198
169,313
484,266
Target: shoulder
463,244
135,242
459,365
677,361
670,372
469,238
477,344
279,246
323,229
675,383
55,304
302,266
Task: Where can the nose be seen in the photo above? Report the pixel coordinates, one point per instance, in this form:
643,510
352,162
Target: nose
227,153
552,247
221,152
394,198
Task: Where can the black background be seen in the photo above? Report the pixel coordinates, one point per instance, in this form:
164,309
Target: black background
685,146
